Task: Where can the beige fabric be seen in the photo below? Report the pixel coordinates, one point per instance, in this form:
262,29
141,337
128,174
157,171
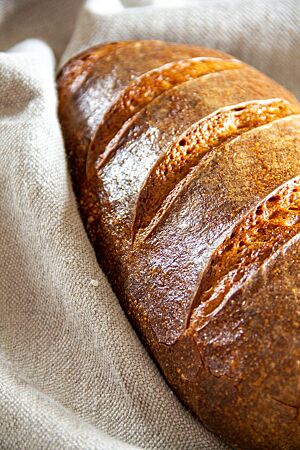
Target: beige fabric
73,374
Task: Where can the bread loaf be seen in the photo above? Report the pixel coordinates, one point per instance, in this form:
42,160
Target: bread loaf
186,166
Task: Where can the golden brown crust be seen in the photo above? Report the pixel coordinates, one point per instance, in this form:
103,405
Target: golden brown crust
227,183
145,138
89,83
239,370
274,222
143,90
194,143
240,374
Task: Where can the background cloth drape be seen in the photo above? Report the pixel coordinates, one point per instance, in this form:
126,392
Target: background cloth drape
73,374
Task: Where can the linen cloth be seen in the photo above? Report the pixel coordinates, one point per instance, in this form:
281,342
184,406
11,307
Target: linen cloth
73,374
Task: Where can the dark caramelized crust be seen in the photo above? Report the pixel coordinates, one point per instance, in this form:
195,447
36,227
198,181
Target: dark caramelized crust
89,84
144,89
226,184
274,221
240,373
206,169
191,146
142,141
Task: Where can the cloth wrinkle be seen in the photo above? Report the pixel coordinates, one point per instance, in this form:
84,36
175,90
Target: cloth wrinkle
73,373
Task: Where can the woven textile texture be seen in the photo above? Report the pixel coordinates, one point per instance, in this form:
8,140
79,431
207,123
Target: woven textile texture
73,374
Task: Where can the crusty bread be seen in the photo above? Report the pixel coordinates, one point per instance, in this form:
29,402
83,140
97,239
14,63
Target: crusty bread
186,163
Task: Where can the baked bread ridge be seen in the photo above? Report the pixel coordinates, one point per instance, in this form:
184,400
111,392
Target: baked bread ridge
252,241
162,122
200,138
235,177
228,371
146,88
87,77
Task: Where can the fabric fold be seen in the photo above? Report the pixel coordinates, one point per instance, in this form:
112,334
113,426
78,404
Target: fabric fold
73,373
